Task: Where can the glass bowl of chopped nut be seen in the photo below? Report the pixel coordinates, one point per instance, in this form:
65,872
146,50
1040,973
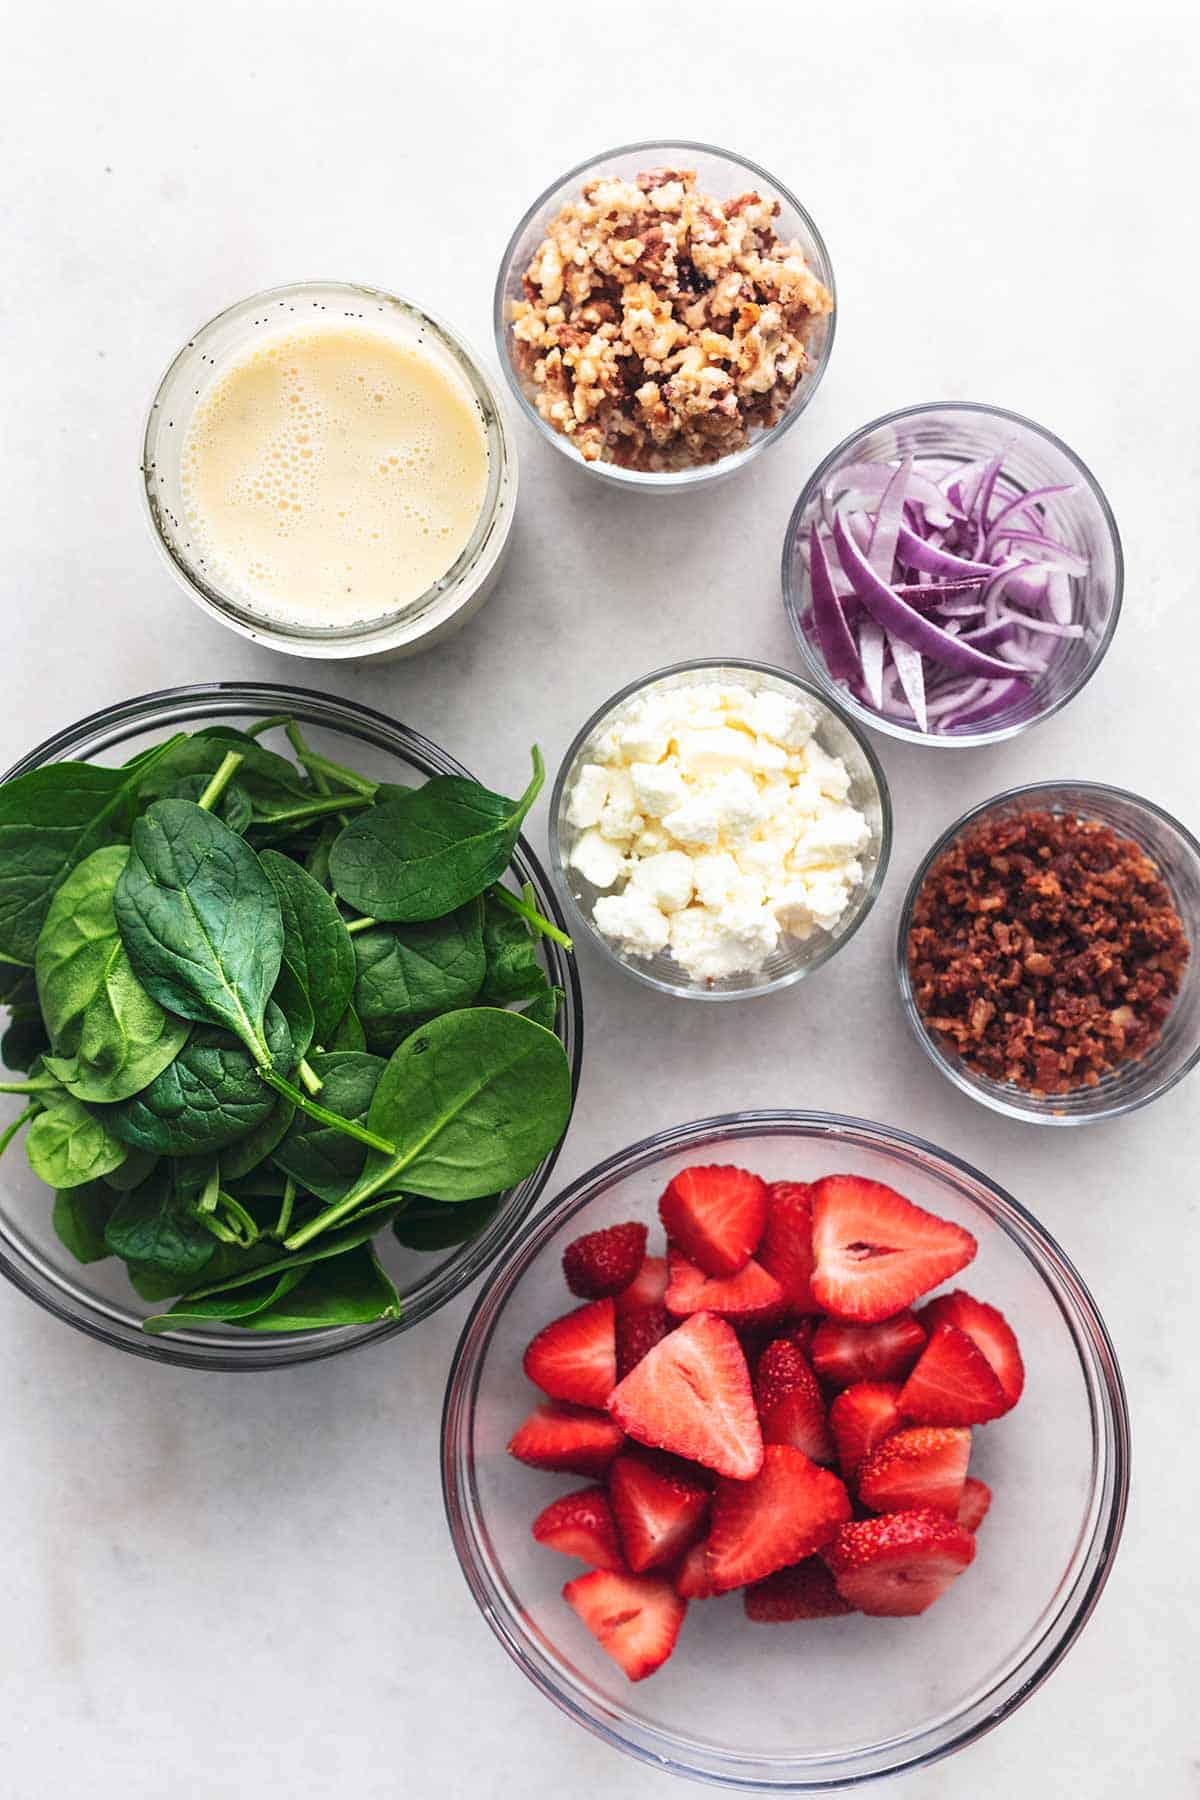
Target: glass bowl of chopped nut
1046,952
719,830
663,312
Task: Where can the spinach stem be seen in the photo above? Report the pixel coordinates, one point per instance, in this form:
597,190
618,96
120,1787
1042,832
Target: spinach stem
285,1208
299,743
314,809
211,1192
347,778
221,780
353,925
238,1212
218,1227
269,724
322,1114
7,1137
309,1076
37,1084
531,916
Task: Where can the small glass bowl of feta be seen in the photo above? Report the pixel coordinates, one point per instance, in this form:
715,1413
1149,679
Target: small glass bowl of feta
719,829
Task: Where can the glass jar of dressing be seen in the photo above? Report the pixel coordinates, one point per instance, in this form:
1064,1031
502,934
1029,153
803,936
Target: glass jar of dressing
330,471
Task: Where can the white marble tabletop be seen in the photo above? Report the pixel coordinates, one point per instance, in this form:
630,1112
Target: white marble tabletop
216,1586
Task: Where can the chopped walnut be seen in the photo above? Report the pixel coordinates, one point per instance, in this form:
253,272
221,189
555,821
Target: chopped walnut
660,327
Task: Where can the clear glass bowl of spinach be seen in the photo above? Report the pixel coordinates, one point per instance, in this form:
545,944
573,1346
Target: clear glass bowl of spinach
176,1117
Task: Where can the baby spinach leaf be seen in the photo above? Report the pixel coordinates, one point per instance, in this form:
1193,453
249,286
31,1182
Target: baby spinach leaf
324,1162
155,1228
17,986
359,1231
80,1216
226,1308
421,852
316,944
50,819
514,971
473,1101
68,1145
25,1040
429,1225
350,1289
200,920
245,1153
208,1097
409,972
109,1037
268,780
348,1033
132,1172
291,997
544,1010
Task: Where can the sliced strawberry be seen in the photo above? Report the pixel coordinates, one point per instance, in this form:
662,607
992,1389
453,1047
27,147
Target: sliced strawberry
790,1509
692,1578
786,1250
860,1418
953,1383
989,1328
923,1466
751,1296
844,1353
603,1262
567,1440
898,1565
575,1358
691,1395
802,1332
972,1508
582,1524
638,1332
648,1287
660,1506
875,1252
805,1590
716,1216
635,1619
790,1407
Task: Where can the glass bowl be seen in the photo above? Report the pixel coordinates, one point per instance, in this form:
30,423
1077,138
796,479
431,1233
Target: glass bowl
952,432
724,175
453,598
793,959
97,1298
876,1696
1134,1083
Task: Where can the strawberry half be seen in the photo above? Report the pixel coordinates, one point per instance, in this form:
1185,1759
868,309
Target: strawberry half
749,1295
923,1466
875,1252
691,1395
986,1326
635,1619
582,1524
638,1332
806,1590
786,1250
790,1509
844,1353
648,1287
660,1507
953,1383
790,1407
567,1440
860,1418
575,1358
716,1215
972,1508
601,1263
898,1565
692,1579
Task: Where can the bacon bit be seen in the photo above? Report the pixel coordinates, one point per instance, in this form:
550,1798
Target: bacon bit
1046,949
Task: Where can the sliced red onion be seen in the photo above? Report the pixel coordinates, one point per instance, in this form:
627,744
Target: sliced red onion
918,553
870,650
1051,551
833,633
1023,503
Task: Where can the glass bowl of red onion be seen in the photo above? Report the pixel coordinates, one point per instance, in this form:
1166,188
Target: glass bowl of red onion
953,574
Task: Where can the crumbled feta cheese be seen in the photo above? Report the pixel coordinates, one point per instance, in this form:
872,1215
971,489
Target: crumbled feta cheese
666,878
597,859
728,822
658,787
633,920
588,796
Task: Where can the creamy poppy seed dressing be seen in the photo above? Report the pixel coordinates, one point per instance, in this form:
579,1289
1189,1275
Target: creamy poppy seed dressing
333,472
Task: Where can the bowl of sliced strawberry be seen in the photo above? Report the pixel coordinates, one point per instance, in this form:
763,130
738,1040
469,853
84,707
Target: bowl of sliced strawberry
794,1370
